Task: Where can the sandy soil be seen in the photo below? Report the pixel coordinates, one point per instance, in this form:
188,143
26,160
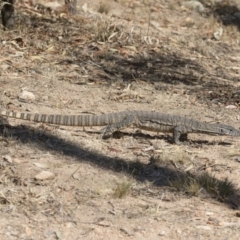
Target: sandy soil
60,182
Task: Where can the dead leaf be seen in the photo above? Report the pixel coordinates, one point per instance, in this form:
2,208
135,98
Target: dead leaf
203,227
231,106
18,161
43,165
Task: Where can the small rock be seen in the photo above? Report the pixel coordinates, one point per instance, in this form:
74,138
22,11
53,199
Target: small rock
25,95
238,159
189,20
209,213
7,158
162,233
179,231
217,35
203,227
18,160
104,224
45,98
4,67
52,5
44,175
195,5
231,106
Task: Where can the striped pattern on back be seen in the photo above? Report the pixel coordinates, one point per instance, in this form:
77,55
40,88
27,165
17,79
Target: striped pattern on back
76,120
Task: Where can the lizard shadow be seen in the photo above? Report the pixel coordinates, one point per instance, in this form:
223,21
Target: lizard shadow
167,138
184,140
47,141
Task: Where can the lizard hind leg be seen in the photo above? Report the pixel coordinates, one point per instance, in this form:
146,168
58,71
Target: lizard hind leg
111,128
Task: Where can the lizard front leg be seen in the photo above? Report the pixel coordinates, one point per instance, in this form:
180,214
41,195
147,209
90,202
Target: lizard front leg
124,123
179,132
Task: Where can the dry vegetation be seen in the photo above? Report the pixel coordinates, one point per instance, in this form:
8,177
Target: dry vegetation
61,182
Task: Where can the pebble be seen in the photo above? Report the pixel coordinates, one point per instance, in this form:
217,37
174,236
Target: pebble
195,5
4,67
25,95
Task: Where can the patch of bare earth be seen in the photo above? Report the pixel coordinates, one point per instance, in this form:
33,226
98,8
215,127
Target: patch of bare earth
60,182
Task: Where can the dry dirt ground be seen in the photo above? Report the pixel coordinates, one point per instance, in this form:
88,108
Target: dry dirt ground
60,182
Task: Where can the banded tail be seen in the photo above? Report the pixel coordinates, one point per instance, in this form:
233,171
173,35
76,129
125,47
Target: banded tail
68,120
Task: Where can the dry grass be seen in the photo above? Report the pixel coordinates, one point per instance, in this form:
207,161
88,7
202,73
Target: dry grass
122,189
186,184
104,7
219,189
178,156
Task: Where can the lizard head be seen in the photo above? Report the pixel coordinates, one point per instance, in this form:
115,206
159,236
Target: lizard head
227,130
